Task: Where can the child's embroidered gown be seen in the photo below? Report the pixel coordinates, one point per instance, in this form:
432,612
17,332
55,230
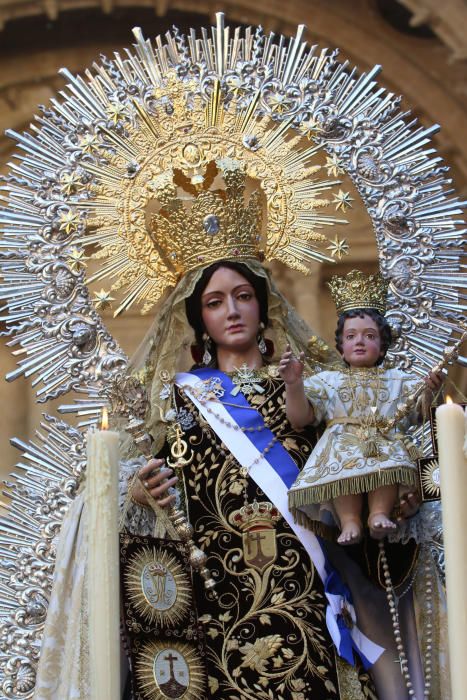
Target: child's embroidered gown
354,455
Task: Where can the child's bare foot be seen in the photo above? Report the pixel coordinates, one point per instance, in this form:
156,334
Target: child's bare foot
380,525
351,532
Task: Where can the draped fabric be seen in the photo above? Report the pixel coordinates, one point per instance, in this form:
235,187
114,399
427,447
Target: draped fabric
62,671
266,636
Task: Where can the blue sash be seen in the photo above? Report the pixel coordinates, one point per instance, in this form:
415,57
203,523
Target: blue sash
284,466
278,457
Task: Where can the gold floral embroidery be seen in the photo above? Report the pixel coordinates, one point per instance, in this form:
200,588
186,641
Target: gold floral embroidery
266,636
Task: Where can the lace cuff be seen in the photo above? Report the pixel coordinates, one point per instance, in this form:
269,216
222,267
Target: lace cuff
139,519
426,526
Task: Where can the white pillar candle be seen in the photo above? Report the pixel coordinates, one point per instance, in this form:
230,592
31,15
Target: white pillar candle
103,564
453,475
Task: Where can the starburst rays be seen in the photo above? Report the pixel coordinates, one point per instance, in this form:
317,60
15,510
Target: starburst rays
276,158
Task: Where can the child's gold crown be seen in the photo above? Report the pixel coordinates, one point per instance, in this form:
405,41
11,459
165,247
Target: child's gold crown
359,291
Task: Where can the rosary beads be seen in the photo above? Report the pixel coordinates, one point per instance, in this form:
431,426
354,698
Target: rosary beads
391,597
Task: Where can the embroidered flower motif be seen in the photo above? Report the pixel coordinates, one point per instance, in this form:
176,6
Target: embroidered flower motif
213,684
298,684
257,654
236,487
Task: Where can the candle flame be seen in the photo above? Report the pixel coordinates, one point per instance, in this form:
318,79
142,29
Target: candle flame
105,419
448,399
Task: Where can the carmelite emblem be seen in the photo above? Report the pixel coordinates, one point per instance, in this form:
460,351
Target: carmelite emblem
157,586
257,521
170,670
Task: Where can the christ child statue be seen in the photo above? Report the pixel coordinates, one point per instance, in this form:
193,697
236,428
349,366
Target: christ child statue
364,462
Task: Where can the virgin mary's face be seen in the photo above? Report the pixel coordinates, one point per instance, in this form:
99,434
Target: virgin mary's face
230,311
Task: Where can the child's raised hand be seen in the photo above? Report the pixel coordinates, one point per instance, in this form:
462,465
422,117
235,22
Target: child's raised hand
291,367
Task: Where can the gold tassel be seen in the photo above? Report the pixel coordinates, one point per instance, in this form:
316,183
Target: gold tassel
412,450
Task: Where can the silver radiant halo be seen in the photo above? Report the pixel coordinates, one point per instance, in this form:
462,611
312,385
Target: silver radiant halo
48,309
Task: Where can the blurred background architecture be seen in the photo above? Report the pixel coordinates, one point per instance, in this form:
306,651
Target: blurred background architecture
421,44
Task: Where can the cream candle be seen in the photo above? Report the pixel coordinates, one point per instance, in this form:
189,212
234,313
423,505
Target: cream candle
103,564
453,476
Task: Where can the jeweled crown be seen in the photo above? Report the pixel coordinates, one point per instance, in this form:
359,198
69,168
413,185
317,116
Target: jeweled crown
197,225
359,291
255,514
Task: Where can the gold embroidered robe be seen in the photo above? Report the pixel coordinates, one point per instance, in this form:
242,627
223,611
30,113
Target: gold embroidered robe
266,636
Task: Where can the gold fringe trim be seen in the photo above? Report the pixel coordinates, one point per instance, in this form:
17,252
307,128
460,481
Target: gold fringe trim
351,485
316,526
348,680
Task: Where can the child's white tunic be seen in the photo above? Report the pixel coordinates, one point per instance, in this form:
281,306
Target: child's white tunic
355,454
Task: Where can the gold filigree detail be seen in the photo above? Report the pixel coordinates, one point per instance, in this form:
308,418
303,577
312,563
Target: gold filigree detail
168,670
183,187
220,224
158,587
359,291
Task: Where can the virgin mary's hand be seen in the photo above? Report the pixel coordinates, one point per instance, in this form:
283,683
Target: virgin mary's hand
408,506
158,484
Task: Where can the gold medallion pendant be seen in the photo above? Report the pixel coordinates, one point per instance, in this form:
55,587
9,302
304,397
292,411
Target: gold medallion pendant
256,521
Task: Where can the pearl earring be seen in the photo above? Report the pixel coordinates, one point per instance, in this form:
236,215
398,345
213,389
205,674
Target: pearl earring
207,357
261,342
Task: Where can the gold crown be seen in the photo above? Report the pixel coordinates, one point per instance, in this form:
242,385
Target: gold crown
359,291
255,514
169,192
219,221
